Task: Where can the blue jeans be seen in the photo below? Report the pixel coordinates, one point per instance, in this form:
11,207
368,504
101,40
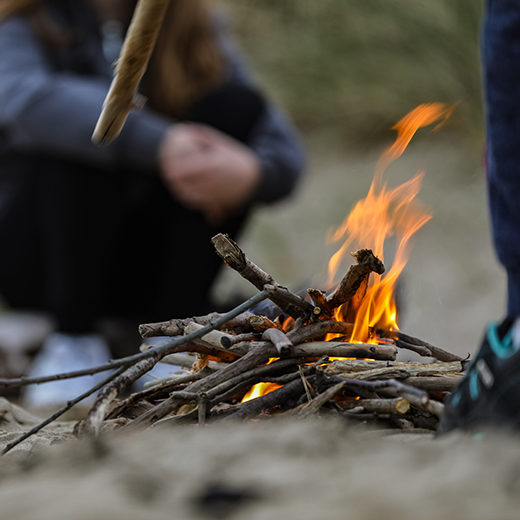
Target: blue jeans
501,66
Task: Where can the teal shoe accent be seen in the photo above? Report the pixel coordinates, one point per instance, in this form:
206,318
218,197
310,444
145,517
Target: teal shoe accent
473,385
503,349
456,399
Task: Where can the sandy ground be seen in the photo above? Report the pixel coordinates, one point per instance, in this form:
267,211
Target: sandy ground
316,469
263,470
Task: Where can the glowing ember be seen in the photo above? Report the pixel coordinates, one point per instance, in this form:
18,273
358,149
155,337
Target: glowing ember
381,214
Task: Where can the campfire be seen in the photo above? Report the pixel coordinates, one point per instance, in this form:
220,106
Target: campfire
286,354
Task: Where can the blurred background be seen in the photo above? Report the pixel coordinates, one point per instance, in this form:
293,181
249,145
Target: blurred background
347,70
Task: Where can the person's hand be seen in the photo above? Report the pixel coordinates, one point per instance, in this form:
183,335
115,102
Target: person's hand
208,170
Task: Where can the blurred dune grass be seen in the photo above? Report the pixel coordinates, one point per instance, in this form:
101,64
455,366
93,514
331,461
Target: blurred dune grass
359,65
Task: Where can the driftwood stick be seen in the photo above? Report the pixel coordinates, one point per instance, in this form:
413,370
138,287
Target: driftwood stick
394,370
416,397
343,349
398,405
175,327
61,411
135,54
434,383
100,408
407,341
235,258
418,349
367,262
280,340
164,388
186,361
213,338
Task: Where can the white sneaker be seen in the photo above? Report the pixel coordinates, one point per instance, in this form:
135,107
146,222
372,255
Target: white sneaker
159,371
66,353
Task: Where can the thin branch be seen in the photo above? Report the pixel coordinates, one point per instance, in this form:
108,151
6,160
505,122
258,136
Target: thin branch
61,411
169,346
235,258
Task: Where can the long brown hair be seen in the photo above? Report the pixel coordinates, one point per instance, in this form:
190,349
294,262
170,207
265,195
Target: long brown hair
185,64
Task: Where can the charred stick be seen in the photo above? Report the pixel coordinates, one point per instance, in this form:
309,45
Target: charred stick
356,301
61,411
289,302
367,262
319,330
235,258
279,339
261,323
320,302
290,392
228,342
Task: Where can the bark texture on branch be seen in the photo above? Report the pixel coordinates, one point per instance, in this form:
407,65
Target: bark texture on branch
130,68
367,263
235,258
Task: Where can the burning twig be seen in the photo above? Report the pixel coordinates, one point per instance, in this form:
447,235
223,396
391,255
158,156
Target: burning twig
366,263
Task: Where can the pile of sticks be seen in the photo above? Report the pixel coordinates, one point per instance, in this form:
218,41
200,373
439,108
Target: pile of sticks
284,346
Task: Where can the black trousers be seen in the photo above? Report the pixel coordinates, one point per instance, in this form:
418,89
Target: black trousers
84,244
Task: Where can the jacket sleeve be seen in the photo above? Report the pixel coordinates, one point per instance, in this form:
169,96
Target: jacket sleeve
41,110
274,139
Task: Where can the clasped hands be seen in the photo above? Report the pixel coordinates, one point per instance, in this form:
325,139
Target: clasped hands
207,170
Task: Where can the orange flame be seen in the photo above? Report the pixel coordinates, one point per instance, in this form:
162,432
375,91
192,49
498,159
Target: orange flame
383,213
259,390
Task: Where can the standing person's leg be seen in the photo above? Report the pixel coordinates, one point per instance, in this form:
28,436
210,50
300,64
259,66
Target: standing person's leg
490,392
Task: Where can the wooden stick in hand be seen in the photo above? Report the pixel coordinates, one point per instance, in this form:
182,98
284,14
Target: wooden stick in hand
131,66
